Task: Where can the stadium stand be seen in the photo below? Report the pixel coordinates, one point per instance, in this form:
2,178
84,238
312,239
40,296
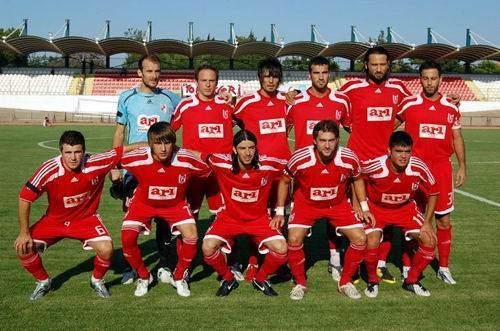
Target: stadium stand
489,86
37,81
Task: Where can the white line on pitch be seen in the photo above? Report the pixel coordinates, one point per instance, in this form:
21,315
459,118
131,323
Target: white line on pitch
43,143
478,198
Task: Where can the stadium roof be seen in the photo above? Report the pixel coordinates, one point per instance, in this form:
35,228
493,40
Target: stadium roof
349,50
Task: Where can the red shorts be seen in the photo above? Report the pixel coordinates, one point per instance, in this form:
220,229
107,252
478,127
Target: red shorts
340,216
140,215
48,231
225,228
407,217
443,174
198,187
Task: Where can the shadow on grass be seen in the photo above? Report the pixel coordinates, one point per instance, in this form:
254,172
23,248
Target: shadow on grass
316,248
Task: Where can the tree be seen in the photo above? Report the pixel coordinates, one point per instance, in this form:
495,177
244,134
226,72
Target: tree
10,57
486,67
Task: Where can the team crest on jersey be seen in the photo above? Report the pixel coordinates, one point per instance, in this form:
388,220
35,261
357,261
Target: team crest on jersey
164,108
208,130
182,178
263,181
94,181
450,118
434,131
75,200
225,114
162,192
273,125
145,121
323,193
395,199
310,126
378,114
414,186
245,196
395,99
343,177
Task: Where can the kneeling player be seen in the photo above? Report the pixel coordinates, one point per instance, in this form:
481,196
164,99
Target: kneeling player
245,180
73,182
322,172
392,181
163,172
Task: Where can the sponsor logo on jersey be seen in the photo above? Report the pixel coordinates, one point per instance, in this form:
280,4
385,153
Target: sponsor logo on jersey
310,126
75,200
161,171
432,107
145,121
182,178
273,125
378,91
208,107
323,193
414,186
325,172
208,130
270,103
319,105
395,199
74,180
162,192
245,175
395,99
434,131
397,180
246,196
379,114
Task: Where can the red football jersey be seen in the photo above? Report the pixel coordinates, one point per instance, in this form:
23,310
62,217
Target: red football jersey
321,185
207,126
373,111
430,124
390,189
265,118
245,194
72,195
162,185
309,110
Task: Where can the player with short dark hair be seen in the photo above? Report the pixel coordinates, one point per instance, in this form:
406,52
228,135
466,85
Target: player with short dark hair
245,179
433,121
138,109
73,182
392,181
322,172
163,172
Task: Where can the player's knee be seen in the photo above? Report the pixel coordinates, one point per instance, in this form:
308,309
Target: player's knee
209,247
443,222
358,238
373,239
279,246
295,239
427,240
104,249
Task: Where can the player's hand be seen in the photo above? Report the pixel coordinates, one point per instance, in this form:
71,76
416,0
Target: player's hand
368,218
115,174
224,94
24,244
460,177
290,97
455,99
428,231
277,222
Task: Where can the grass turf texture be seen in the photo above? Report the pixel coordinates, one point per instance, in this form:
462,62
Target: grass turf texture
471,304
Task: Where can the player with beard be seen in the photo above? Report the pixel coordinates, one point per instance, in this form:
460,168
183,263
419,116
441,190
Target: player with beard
433,121
322,173
138,109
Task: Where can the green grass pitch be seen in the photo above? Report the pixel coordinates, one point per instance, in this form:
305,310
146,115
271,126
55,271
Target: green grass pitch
474,303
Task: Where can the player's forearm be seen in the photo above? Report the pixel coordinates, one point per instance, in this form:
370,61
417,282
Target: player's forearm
459,146
282,191
397,123
118,137
431,207
359,189
24,216
133,147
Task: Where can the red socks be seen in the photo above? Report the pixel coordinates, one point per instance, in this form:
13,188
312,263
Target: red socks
101,266
187,252
271,263
132,252
296,261
353,257
444,246
219,264
33,264
421,260
371,260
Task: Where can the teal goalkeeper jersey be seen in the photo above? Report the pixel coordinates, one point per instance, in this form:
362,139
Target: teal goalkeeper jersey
138,111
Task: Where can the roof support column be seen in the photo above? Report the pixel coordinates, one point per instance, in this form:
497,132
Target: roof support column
353,39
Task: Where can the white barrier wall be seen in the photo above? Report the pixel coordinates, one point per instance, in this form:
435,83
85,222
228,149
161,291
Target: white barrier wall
107,104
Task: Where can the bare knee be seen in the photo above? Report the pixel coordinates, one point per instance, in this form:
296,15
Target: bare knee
209,247
104,249
278,246
443,222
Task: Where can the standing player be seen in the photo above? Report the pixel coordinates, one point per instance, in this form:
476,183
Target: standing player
316,104
138,109
207,126
245,180
433,121
374,103
392,181
263,113
163,172
322,173
73,182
